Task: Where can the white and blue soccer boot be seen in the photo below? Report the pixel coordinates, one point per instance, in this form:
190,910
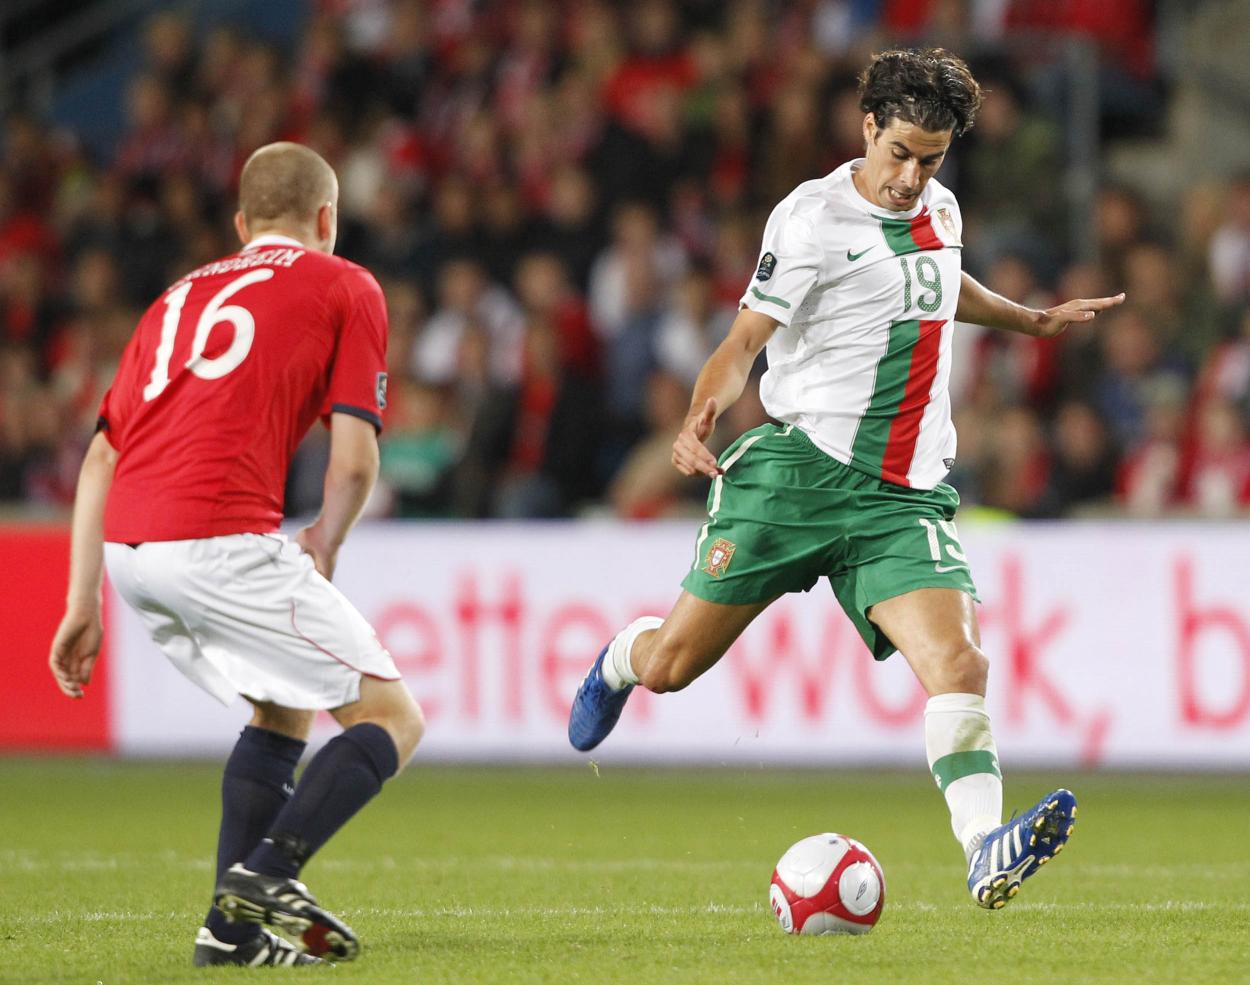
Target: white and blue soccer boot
596,707
1014,851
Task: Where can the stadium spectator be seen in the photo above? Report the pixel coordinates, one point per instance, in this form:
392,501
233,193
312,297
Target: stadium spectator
638,249
1083,465
790,155
646,485
1022,369
553,437
468,297
1134,366
1150,478
1017,463
569,224
1216,482
692,327
1225,374
417,453
1230,247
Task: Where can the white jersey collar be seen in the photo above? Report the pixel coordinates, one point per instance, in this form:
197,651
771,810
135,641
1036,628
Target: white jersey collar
273,239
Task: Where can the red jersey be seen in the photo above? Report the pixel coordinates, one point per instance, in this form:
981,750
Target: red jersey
224,376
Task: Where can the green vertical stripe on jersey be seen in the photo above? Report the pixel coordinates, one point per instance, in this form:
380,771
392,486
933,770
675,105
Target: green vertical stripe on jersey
957,765
873,433
898,235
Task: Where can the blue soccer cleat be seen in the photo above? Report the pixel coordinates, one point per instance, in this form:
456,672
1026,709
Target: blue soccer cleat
596,708
1014,851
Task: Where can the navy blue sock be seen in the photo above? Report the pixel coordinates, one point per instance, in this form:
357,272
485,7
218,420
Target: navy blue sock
344,776
258,781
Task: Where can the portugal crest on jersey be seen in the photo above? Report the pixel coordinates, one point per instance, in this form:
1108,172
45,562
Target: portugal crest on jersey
718,557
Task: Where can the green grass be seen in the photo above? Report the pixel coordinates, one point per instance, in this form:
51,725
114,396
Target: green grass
518,875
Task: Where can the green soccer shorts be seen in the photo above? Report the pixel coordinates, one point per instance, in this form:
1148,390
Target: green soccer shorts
784,513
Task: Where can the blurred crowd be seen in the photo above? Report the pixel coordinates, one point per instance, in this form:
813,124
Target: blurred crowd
563,203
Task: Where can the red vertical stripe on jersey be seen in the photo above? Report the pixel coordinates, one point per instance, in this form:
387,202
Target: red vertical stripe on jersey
922,232
905,428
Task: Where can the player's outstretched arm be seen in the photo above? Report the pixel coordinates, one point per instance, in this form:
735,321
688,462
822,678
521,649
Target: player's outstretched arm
350,476
77,640
719,384
981,306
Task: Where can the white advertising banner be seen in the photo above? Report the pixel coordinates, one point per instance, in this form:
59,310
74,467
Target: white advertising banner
1118,645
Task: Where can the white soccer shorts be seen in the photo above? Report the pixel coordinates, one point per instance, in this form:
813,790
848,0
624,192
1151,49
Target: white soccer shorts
249,614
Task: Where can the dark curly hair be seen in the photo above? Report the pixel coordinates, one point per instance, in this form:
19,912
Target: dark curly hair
929,88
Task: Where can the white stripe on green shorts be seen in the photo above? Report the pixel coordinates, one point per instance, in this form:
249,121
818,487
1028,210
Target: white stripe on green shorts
716,487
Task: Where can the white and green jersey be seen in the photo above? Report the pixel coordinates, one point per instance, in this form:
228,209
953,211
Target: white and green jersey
866,299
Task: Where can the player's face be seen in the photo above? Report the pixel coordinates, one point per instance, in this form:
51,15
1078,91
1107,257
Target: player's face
901,158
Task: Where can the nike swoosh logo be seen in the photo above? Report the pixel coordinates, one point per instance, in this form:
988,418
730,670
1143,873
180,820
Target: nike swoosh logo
855,256
942,569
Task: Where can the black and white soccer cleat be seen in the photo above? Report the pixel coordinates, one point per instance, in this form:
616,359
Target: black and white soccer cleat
286,907
266,950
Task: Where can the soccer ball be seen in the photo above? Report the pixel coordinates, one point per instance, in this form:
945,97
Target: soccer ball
827,884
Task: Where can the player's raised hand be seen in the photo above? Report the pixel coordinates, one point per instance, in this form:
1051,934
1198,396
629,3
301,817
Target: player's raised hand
690,454
74,650
323,554
1055,320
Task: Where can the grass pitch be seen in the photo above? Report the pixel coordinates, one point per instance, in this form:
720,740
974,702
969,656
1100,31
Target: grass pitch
517,875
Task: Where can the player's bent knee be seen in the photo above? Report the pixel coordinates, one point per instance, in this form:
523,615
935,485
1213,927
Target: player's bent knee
405,727
967,671
411,730
390,705
404,722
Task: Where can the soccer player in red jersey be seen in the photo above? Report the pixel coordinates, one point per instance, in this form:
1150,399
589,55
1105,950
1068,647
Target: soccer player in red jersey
180,495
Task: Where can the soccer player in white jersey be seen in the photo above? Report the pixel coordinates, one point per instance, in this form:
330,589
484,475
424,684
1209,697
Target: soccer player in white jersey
856,295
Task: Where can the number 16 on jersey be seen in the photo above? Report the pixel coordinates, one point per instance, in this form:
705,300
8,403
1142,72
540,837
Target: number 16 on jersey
214,313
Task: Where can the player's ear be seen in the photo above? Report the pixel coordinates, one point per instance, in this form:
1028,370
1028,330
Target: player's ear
870,128
240,227
325,223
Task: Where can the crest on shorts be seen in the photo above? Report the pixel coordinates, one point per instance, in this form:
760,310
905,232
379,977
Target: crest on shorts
765,270
948,223
718,557
381,391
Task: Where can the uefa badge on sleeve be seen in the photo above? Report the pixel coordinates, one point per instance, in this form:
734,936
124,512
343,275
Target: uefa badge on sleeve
718,557
765,270
381,391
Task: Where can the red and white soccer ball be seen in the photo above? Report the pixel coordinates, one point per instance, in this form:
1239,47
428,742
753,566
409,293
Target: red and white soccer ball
827,884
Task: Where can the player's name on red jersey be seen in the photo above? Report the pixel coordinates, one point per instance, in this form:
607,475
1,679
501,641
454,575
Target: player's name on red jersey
224,375
284,257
